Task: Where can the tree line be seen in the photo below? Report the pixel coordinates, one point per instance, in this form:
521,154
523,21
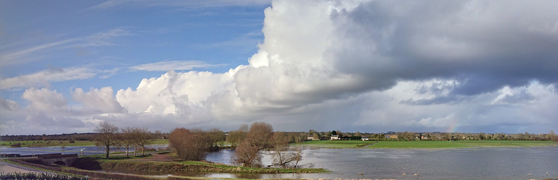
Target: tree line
108,135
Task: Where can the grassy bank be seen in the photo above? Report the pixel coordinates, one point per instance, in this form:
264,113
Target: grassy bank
63,143
168,162
460,144
192,166
335,144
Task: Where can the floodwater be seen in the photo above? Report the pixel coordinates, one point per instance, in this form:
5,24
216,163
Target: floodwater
458,163
87,150
462,163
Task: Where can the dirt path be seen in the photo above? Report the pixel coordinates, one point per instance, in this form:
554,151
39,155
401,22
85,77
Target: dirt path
369,145
12,168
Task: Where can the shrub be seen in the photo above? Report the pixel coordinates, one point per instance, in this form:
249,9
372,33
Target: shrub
15,145
72,141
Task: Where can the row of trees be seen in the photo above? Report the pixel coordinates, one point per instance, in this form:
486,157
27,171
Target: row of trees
109,135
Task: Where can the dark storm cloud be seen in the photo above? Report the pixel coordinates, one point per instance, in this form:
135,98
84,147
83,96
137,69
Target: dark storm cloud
487,45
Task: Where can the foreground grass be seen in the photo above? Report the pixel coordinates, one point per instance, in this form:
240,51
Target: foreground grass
336,144
40,169
460,144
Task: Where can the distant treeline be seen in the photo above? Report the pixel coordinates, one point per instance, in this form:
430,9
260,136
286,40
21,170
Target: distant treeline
72,136
304,136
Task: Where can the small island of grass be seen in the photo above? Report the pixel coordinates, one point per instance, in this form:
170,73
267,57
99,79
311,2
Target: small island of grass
169,162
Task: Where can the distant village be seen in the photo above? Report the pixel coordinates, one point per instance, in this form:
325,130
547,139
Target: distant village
425,136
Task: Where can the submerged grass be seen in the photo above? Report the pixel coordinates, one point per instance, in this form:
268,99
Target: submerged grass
336,144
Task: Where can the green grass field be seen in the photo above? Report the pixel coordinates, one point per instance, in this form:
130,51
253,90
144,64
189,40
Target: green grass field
335,144
65,143
460,144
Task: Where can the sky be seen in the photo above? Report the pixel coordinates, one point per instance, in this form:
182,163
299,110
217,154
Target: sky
368,66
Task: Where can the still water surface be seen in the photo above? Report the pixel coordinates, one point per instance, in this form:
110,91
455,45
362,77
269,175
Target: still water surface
461,163
87,150
465,163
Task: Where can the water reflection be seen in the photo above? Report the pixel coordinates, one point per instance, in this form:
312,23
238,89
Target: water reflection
87,150
470,163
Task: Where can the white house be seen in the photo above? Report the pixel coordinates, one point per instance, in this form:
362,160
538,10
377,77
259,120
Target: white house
365,139
335,137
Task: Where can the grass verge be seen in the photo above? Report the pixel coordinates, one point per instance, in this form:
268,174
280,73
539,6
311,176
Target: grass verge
193,166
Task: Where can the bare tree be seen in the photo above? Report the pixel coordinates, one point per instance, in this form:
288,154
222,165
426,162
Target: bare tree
189,144
127,138
247,155
281,156
143,138
257,139
106,136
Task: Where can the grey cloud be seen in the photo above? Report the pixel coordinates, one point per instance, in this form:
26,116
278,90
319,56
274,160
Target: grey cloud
433,101
8,105
42,120
486,43
98,99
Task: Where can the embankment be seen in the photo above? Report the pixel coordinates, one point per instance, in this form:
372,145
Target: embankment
192,166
